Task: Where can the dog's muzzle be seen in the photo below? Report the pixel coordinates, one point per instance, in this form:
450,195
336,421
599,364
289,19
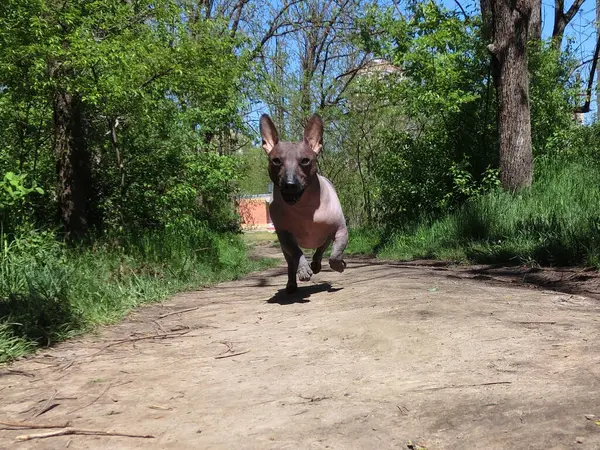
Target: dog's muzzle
291,193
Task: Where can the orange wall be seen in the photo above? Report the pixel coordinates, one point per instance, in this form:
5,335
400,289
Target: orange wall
253,211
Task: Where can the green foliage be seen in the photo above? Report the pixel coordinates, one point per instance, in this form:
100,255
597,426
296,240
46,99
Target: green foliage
436,51
12,347
364,241
33,287
157,96
254,178
49,292
553,97
13,190
465,187
13,197
413,175
440,149
555,223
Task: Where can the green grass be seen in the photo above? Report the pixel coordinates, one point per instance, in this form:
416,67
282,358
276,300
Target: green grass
363,241
49,293
259,237
556,222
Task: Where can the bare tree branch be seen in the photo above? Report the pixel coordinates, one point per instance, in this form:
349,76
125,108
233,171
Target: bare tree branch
562,19
588,94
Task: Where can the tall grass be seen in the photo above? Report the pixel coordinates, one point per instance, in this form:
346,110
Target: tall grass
556,222
49,293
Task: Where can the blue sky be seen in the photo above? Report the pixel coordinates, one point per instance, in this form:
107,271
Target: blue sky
580,34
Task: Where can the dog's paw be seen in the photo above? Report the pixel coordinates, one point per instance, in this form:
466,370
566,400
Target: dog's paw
291,288
315,266
337,264
304,273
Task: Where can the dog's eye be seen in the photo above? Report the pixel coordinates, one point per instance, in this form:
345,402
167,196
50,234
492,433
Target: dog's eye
305,161
276,161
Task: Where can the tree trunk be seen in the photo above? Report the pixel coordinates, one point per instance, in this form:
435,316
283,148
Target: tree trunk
73,165
562,18
598,67
509,26
535,22
279,99
308,71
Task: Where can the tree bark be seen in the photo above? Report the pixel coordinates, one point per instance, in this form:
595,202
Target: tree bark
588,92
73,165
562,19
535,22
509,26
597,40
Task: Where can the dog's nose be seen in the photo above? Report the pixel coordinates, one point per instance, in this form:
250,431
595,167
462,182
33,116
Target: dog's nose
290,186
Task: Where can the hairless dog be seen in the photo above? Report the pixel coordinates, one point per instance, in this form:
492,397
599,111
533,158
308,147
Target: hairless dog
305,211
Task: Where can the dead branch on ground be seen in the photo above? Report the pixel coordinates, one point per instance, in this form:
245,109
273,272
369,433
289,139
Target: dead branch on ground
178,312
33,426
71,431
231,355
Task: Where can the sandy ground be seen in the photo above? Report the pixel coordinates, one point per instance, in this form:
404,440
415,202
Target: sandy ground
385,355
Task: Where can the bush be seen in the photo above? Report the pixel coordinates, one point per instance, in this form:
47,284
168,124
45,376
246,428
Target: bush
34,296
557,222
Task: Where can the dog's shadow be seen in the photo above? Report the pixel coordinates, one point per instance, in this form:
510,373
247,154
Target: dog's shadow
281,297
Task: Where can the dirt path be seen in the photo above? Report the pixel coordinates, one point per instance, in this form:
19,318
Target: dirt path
382,356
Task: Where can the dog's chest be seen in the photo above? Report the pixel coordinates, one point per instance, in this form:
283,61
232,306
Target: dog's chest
311,227
306,225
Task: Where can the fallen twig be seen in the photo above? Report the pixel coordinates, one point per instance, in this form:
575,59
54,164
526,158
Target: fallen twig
101,394
70,431
181,311
142,338
403,410
17,372
33,426
231,355
458,386
162,408
46,409
93,401
535,323
228,345
310,399
155,322
47,406
579,272
66,366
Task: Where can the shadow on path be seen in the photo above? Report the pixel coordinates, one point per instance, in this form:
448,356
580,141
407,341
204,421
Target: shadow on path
301,295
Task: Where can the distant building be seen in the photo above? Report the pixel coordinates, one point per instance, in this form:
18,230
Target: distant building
254,210
380,67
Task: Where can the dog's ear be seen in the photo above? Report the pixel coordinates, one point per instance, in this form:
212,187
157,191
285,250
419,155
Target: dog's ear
313,133
269,134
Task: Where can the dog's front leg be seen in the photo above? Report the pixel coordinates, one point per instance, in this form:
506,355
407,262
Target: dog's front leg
339,244
315,265
296,261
